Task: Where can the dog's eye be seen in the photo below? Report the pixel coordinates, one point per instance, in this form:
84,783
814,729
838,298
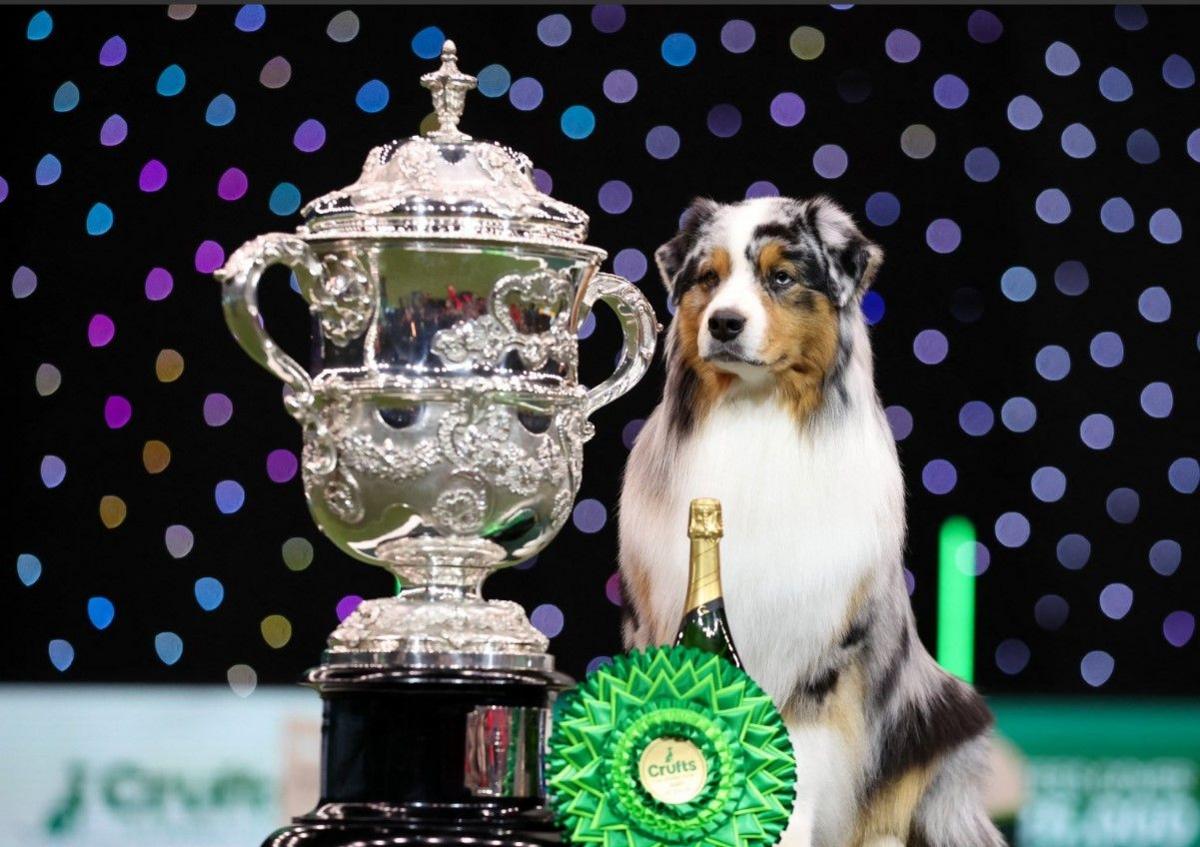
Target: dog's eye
782,279
709,279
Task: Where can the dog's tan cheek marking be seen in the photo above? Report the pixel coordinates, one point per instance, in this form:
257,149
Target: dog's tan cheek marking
712,383
802,343
890,811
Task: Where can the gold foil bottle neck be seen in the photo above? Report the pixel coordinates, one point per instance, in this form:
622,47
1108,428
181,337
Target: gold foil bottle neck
705,531
704,520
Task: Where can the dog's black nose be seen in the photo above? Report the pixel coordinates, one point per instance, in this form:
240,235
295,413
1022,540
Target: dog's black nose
725,325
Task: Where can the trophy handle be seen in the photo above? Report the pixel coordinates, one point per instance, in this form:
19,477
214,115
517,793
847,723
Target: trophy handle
640,327
239,296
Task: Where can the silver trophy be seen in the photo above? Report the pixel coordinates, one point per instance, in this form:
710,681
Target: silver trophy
443,418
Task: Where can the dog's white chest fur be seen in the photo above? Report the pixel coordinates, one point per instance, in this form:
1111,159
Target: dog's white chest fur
799,507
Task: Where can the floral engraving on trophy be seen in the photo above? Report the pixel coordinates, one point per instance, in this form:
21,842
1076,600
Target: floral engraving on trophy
385,460
478,439
504,164
574,431
341,494
343,296
510,172
527,313
415,159
495,627
461,510
563,501
484,448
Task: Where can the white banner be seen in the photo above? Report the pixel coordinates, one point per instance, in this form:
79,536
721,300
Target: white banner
113,766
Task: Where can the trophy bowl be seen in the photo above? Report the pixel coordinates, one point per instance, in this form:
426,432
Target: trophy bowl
443,417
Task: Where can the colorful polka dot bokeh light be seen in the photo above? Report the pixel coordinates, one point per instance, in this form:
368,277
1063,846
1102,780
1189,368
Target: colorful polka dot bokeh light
814,88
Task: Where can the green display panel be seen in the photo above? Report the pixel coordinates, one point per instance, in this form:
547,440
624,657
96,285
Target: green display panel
1105,773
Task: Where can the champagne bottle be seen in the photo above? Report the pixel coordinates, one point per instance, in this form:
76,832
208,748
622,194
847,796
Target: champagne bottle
704,625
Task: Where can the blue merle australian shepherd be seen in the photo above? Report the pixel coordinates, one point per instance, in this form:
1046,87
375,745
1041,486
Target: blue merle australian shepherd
770,406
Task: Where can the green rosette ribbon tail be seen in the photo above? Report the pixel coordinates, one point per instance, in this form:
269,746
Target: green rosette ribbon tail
670,746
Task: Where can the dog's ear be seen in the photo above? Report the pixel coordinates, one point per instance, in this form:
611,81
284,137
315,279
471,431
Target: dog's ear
853,259
671,256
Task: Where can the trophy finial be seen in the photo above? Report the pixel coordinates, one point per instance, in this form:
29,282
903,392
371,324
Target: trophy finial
448,86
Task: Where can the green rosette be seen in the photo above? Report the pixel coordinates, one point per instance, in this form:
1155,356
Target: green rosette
732,784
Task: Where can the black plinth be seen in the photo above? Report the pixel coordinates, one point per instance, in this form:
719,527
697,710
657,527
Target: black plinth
396,760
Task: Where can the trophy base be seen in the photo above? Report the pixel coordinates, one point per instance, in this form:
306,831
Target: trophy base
419,627
535,829
433,755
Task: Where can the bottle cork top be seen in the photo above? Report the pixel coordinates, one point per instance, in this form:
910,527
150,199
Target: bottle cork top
705,518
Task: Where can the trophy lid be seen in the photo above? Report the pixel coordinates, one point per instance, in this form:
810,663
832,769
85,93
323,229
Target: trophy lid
445,184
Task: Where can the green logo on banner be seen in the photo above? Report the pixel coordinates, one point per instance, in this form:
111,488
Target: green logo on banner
129,791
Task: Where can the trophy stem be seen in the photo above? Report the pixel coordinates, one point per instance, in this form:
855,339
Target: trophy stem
448,569
440,617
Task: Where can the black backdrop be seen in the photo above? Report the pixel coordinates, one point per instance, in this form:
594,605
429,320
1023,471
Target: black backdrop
855,97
